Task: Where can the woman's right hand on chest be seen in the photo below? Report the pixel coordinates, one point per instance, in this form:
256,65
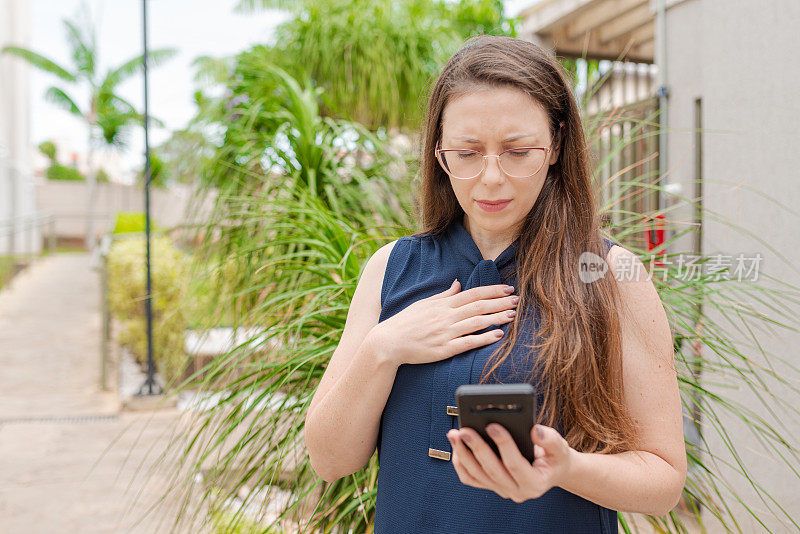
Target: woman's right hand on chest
442,325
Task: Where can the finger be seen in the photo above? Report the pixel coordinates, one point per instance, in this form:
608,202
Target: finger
473,324
454,288
513,460
463,475
478,293
485,308
464,462
488,460
465,343
550,440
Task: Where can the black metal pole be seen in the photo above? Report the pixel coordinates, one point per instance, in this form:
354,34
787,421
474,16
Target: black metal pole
150,383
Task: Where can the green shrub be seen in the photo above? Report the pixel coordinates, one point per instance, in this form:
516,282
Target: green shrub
62,172
131,221
48,148
126,280
6,268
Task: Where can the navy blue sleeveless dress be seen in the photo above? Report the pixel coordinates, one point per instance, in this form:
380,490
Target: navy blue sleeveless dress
418,489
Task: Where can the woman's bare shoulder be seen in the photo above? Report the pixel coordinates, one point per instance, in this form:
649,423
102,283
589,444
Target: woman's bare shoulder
625,265
380,258
368,289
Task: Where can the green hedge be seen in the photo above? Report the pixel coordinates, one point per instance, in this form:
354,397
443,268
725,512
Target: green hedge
126,290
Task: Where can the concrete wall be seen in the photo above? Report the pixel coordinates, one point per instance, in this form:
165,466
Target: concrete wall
741,58
68,203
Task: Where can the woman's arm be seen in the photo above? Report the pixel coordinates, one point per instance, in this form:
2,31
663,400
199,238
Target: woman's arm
343,419
634,481
649,480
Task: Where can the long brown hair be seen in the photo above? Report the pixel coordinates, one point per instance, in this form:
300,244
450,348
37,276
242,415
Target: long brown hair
579,366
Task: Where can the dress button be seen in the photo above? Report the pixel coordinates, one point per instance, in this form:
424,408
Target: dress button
436,453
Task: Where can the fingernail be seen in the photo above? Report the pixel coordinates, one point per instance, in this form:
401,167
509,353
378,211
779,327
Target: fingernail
467,438
511,313
508,289
515,299
538,431
492,430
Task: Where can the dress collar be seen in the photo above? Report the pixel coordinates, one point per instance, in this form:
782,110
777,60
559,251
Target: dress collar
463,242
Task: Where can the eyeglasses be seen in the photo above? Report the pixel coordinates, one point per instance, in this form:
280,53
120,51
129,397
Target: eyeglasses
518,162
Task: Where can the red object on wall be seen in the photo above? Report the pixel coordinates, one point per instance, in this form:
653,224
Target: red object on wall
655,232
655,237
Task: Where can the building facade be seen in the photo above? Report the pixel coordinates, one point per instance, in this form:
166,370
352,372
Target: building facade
20,228
733,118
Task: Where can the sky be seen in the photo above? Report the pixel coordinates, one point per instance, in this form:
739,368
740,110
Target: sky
193,27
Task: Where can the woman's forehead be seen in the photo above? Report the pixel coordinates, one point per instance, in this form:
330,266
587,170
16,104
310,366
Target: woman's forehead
496,112
475,129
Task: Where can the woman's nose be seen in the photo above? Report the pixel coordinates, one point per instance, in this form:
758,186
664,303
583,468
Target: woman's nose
493,172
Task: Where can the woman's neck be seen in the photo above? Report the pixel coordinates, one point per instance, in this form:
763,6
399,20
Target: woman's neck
491,244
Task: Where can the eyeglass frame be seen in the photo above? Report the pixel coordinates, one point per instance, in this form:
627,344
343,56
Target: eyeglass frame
547,149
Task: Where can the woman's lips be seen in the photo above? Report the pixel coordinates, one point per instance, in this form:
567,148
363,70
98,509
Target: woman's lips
493,205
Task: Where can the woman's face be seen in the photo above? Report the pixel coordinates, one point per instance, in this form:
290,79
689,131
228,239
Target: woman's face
484,120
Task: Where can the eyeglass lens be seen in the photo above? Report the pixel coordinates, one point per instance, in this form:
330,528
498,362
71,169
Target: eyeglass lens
469,163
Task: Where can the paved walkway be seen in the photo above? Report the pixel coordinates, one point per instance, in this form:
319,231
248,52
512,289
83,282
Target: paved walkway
68,456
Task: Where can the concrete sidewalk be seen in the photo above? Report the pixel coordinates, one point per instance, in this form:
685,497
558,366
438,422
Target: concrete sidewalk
68,456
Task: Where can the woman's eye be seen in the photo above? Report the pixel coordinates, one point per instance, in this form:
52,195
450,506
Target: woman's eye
466,155
519,153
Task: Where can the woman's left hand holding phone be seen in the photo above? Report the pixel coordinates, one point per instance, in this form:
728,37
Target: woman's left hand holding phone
511,476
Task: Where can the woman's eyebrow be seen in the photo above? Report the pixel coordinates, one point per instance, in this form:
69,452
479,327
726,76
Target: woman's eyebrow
508,139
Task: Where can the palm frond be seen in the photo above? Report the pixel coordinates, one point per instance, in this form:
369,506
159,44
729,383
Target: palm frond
40,62
83,53
134,65
58,97
212,70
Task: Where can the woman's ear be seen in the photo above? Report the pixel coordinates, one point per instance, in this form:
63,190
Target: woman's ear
557,141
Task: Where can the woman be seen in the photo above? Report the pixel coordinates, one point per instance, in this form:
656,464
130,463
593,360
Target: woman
507,207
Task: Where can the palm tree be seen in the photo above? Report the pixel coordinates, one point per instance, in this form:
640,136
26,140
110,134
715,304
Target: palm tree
106,114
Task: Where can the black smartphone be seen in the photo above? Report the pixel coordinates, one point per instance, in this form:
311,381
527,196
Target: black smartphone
511,405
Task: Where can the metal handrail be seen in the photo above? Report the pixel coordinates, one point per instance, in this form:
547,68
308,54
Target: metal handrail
23,224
